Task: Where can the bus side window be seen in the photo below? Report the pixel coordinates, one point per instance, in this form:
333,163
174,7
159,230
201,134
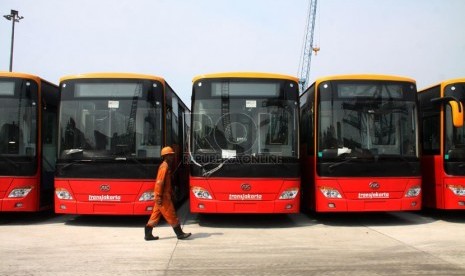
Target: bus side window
169,118
431,134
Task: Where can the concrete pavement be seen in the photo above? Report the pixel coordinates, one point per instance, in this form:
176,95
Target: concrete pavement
328,244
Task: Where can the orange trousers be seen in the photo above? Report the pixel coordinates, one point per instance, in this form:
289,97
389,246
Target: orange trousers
166,210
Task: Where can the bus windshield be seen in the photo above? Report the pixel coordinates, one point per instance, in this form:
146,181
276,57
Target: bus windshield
367,120
18,126
454,154
244,118
108,119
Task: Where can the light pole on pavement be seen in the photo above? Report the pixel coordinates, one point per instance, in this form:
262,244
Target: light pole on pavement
13,17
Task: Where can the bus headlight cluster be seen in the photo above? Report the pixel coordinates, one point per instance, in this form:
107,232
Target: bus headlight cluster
20,192
330,192
147,196
201,193
413,191
289,194
63,194
458,190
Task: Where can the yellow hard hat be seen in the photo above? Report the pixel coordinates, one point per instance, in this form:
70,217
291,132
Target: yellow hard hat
167,150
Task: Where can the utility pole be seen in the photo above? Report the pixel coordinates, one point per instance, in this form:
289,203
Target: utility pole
13,17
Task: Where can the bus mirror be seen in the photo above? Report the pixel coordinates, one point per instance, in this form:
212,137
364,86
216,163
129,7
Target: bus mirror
457,113
456,106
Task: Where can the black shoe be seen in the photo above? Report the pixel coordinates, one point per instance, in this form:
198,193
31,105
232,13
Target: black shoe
148,234
180,234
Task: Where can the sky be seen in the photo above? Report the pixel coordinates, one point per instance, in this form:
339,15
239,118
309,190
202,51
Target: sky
180,39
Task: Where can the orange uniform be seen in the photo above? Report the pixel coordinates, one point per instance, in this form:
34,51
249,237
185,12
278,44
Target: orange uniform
164,191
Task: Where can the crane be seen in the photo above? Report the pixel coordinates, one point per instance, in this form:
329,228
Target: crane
306,58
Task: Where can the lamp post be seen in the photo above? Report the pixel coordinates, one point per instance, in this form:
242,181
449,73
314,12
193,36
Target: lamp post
13,17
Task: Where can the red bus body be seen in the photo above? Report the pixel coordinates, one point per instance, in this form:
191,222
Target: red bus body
230,197
357,193
351,175
443,144
436,183
90,199
28,158
112,170
247,173
30,203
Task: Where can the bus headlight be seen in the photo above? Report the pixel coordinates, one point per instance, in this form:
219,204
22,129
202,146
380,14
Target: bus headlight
201,193
458,190
62,193
289,194
147,196
20,192
413,191
330,192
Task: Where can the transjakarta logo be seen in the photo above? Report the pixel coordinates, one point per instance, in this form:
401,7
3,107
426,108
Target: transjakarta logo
373,195
245,197
104,198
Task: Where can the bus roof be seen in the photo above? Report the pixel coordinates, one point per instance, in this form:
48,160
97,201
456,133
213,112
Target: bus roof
259,75
366,77
5,74
112,75
443,83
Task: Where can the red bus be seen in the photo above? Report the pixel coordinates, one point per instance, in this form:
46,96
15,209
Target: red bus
244,144
443,145
112,127
359,144
28,127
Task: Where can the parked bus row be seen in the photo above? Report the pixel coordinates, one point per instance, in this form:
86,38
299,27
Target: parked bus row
349,143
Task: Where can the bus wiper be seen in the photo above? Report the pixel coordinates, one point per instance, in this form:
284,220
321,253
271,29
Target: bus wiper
348,159
203,165
217,168
125,157
9,161
355,155
220,161
74,162
73,151
122,154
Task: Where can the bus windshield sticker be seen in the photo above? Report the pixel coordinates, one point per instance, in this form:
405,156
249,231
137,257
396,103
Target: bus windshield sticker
227,154
113,104
250,104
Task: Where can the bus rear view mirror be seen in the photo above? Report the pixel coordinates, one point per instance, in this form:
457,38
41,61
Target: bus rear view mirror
457,113
456,106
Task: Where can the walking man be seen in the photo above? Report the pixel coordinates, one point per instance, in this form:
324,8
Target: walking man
163,204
